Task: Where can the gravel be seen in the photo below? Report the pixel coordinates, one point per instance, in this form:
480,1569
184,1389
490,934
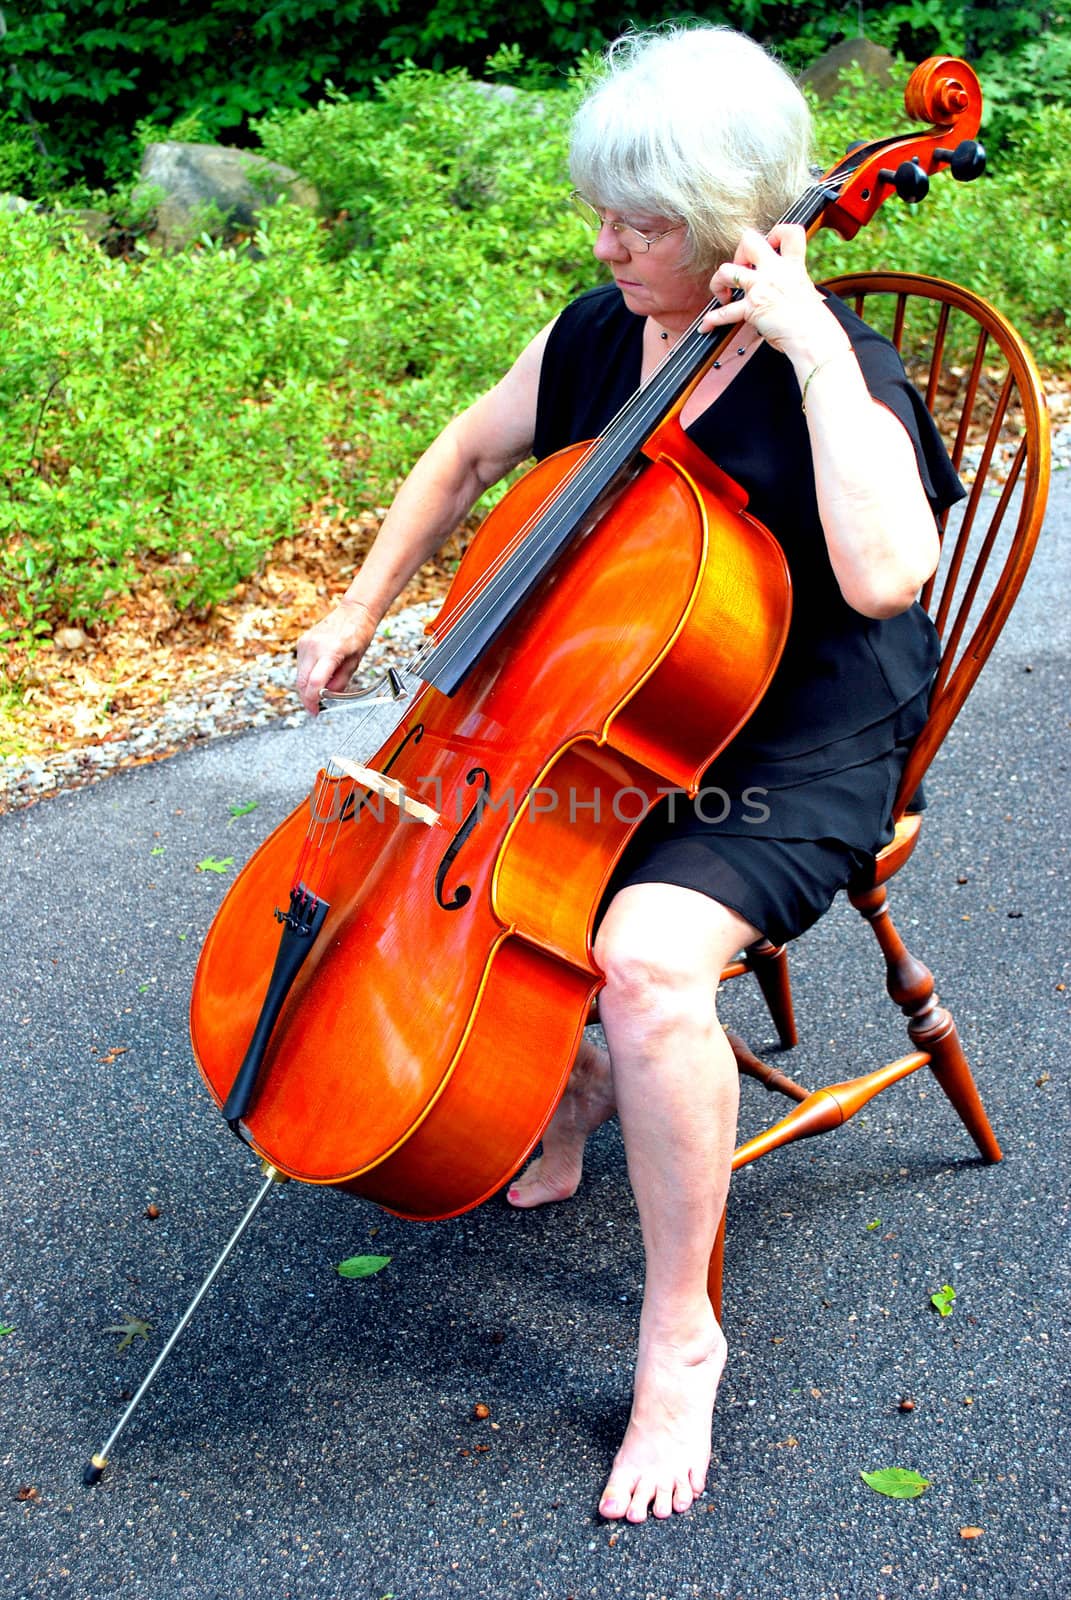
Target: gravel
246,698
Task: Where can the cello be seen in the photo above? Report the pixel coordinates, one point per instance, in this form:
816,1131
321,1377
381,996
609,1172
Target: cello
393,992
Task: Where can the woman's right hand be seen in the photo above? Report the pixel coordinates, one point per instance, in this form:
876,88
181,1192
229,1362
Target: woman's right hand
329,653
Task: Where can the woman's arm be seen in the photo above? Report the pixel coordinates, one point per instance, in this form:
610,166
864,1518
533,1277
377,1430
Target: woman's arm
473,451
879,527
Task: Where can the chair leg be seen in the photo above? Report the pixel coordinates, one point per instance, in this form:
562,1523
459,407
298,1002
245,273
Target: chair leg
911,985
769,963
717,1262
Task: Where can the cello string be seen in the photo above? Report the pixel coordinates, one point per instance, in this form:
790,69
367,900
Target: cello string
328,815
534,535
641,409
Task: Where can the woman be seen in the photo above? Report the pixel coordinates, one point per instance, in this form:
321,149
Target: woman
685,153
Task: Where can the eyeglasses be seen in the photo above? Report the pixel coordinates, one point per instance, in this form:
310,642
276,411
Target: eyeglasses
635,242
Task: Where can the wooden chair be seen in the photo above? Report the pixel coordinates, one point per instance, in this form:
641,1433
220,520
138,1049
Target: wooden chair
990,409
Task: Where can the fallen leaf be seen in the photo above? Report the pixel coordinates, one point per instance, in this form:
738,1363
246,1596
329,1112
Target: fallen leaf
27,1491
237,811
872,1225
907,1404
152,1211
481,1411
133,1328
361,1266
210,864
944,1299
971,1533
896,1483
6,1328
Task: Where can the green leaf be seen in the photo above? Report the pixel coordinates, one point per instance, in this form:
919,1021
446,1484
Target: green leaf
897,1483
872,1225
6,1328
362,1266
944,1299
133,1328
210,864
158,850
241,811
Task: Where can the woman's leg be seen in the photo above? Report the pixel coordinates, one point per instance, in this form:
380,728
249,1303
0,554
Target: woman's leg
588,1102
675,1081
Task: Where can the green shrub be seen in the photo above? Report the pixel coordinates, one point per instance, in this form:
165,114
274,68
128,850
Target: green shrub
179,414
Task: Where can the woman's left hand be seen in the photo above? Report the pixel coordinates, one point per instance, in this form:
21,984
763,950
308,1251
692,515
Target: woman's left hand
778,298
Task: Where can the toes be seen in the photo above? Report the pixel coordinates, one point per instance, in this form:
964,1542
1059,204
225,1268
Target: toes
683,1496
617,1496
527,1193
547,1179
632,1497
536,1191
663,1500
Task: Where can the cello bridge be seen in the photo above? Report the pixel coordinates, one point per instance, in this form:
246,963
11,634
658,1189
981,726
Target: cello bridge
390,788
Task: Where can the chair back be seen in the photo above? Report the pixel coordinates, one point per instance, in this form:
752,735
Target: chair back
982,388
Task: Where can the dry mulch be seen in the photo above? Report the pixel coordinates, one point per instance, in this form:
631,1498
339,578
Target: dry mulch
94,686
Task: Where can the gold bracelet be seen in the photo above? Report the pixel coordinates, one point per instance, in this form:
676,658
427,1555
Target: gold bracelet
814,373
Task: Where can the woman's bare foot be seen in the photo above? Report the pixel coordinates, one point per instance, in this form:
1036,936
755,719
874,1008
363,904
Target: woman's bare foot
663,1459
587,1103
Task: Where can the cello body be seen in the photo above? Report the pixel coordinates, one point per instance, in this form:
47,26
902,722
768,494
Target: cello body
427,1038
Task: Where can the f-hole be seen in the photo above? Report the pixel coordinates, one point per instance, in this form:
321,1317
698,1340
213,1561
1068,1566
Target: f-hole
462,894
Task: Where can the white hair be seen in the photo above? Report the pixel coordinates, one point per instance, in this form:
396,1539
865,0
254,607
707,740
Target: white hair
698,125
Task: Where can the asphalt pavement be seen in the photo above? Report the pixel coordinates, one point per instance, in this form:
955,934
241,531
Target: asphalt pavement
317,1438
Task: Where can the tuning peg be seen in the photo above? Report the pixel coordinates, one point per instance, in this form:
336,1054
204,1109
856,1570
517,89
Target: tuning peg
909,181
966,161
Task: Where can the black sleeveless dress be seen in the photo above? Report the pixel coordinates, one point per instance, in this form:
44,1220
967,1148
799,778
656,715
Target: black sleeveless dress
802,798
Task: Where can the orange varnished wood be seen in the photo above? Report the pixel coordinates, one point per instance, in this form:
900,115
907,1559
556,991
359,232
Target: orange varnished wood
769,963
826,1109
421,1050
716,1268
749,1064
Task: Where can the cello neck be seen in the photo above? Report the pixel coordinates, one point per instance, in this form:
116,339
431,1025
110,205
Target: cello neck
614,458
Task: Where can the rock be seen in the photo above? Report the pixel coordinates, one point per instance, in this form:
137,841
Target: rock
70,639
13,202
97,225
823,75
208,188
